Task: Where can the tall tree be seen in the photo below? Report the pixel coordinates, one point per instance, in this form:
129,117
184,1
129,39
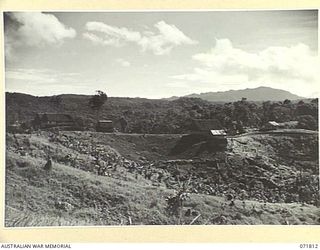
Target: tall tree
96,102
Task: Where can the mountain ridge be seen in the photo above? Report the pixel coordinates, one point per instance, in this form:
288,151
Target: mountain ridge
261,93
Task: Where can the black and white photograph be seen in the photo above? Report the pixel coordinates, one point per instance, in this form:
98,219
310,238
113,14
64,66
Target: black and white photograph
150,117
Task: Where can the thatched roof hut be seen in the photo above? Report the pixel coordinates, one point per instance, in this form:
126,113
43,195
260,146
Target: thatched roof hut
45,120
104,126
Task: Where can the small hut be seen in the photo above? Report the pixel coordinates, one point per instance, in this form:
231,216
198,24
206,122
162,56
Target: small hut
218,132
50,120
104,126
209,133
270,125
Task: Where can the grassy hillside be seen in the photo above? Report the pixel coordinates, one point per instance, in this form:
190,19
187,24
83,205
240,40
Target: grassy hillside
129,190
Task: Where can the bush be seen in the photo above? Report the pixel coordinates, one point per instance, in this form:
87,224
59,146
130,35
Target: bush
307,122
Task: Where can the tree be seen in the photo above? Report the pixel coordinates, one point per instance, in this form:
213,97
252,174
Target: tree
96,102
307,122
241,111
287,102
307,109
315,101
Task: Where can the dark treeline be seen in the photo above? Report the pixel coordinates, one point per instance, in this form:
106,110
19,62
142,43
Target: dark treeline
163,116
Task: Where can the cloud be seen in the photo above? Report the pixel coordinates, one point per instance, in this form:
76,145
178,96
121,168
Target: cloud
34,29
292,68
8,48
112,35
93,38
123,62
165,40
39,76
37,28
28,80
160,42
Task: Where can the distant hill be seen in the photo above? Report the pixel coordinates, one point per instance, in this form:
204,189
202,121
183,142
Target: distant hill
162,116
256,94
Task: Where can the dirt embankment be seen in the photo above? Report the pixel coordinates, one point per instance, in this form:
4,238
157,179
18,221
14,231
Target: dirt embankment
108,174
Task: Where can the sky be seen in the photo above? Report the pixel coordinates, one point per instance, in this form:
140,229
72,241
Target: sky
161,54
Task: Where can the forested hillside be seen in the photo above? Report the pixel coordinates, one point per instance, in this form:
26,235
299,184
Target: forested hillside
163,116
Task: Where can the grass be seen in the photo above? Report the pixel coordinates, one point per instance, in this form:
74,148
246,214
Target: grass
99,199
16,218
32,195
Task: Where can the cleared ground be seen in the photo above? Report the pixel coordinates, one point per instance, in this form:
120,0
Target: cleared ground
126,179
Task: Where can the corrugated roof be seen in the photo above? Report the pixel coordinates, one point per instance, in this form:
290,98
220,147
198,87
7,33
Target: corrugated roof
105,121
273,123
218,132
